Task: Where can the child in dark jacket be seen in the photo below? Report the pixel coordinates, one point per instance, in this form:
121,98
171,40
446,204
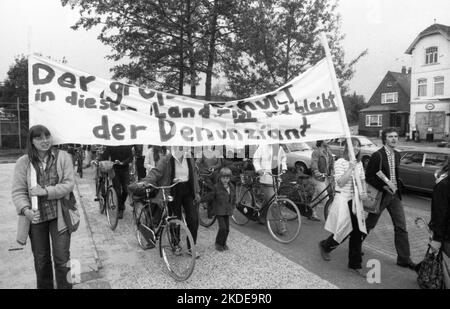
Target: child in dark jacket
223,199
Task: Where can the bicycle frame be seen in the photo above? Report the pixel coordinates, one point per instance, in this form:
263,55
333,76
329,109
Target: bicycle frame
328,195
165,218
276,179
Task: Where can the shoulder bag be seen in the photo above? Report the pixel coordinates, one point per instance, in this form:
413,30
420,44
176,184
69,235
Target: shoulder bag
374,196
69,209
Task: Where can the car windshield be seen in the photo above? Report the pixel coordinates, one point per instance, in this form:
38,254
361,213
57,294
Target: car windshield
366,142
298,147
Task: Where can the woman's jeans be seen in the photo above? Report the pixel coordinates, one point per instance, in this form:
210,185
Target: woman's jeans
355,243
40,245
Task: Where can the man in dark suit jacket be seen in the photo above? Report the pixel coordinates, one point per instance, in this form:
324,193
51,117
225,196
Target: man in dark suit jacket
178,166
391,200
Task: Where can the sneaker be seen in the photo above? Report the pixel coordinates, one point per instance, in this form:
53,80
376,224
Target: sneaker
358,271
325,255
226,247
410,264
197,254
178,250
314,218
220,248
281,228
120,214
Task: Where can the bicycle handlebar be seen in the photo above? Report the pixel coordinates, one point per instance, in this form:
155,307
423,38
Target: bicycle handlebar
209,172
162,187
98,163
273,175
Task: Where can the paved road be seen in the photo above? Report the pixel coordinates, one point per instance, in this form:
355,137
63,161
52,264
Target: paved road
379,245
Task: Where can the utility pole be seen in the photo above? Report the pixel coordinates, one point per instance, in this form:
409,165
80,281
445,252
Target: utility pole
19,123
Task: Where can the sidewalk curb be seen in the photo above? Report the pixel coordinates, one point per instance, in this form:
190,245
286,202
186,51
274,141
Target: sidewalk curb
94,272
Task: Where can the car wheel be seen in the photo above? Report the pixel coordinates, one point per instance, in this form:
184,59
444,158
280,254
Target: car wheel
300,167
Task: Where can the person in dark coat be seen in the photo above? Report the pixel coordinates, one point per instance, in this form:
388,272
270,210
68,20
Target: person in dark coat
179,166
123,156
387,159
440,211
223,200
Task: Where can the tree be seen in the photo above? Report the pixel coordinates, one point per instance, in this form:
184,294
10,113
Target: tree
278,40
16,84
258,44
167,43
353,104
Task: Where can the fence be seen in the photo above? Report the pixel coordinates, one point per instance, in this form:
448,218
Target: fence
13,125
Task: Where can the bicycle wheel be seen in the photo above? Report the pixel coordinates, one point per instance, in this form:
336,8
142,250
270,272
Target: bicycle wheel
177,249
205,219
112,208
326,209
144,234
101,193
283,220
243,206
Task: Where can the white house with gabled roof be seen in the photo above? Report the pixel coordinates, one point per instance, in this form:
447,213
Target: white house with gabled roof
430,82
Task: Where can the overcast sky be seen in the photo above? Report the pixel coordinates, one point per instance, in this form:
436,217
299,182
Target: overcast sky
385,27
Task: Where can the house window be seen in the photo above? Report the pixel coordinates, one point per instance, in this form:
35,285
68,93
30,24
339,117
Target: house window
422,87
439,85
389,84
431,55
374,120
389,97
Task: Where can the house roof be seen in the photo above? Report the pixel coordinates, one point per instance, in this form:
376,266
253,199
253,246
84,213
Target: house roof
379,108
404,81
433,29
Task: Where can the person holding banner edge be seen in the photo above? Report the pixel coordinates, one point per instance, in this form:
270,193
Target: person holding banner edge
392,198
53,175
346,217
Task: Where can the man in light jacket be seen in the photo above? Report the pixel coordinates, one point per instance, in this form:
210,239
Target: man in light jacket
268,158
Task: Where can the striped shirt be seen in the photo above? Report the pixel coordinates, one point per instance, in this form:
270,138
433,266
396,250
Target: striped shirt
340,167
391,161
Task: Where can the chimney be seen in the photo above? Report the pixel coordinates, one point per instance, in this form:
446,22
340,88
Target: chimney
409,71
403,70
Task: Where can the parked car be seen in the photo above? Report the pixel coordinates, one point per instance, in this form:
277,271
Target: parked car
444,144
298,156
367,147
418,167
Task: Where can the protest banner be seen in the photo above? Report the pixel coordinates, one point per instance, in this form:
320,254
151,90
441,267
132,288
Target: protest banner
78,107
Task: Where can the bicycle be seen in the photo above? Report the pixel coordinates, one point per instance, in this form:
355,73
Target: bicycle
306,196
277,211
204,211
106,195
175,241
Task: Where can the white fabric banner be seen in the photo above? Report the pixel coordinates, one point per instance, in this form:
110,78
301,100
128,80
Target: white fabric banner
80,108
